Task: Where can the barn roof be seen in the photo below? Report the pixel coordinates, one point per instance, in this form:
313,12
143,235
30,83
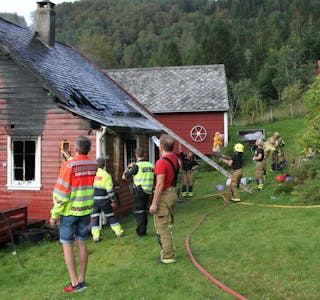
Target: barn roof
78,85
177,89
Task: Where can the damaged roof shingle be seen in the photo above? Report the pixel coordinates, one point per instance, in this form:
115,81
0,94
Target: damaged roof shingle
79,85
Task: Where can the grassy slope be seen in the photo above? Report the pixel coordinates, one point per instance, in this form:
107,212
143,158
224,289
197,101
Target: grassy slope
262,252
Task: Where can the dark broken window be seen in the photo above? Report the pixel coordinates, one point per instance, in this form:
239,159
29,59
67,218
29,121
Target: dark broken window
24,152
131,145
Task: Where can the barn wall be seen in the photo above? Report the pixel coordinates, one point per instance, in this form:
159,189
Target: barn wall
182,124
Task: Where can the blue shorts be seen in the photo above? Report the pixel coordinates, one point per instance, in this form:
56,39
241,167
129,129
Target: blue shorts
73,228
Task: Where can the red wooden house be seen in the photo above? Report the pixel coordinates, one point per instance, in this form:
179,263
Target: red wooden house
190,100
50,93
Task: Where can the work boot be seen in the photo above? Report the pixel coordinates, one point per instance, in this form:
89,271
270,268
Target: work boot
260,186
235,199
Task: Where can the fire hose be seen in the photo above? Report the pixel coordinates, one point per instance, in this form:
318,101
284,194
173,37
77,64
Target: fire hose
198,266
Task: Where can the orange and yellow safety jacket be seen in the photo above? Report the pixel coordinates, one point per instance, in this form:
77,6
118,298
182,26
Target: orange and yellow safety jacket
103,186
73,191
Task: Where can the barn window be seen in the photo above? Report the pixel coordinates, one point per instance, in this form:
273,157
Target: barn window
23,163
130,145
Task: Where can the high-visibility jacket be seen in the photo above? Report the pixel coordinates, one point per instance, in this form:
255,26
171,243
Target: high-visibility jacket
73,191
103,186
145,176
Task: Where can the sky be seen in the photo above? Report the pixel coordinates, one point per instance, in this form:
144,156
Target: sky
24,7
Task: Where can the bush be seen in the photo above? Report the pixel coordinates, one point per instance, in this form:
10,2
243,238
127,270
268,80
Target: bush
308,181
284,188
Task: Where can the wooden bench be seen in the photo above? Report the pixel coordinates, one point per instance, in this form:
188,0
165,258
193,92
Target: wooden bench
12,219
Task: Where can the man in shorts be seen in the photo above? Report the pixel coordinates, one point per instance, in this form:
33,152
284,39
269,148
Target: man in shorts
73,202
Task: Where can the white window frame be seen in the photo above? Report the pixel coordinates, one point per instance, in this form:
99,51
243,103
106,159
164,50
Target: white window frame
125,149
19,184
152,151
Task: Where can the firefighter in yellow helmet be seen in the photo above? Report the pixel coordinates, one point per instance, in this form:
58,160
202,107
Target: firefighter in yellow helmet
236,163
104,200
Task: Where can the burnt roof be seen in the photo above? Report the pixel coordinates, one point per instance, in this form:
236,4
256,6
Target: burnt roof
79,86
177,89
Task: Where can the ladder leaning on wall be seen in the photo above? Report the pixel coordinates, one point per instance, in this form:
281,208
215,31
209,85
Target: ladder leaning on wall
148,115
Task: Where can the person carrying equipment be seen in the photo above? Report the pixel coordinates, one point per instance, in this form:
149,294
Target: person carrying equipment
189,165
217,142
260,163
104,200
236,163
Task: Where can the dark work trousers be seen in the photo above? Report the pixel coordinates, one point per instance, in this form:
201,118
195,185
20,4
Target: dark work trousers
105,206
140,209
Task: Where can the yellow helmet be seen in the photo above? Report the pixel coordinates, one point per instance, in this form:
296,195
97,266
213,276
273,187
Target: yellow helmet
238,147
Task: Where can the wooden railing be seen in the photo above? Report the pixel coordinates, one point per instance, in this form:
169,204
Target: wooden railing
12,219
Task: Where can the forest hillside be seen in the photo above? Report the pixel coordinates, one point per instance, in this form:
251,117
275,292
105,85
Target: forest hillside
270,48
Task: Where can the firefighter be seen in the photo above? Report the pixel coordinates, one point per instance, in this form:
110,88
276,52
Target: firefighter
143,181
269,149
104,200
279,161
189,165
217,143
236,163
165,198
260,163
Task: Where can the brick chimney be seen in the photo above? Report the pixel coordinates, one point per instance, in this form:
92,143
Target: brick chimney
45,20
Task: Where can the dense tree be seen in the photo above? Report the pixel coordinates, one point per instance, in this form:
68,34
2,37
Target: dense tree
291,95
272,43
310,137
14,18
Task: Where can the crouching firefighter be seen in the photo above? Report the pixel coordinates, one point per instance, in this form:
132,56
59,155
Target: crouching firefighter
143,177
104,200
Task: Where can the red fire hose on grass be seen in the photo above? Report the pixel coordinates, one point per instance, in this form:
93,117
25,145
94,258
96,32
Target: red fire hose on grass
200,268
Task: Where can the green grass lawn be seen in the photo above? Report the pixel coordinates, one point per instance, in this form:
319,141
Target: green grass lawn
258,250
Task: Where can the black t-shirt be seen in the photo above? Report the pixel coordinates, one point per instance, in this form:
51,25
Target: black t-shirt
260,151
237,161
187,163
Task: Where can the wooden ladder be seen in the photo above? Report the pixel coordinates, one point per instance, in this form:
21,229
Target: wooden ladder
148,115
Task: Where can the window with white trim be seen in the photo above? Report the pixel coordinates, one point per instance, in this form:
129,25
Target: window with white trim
24,163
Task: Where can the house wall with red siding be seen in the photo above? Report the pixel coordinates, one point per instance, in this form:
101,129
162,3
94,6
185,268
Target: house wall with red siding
33,111
59,125
183,123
